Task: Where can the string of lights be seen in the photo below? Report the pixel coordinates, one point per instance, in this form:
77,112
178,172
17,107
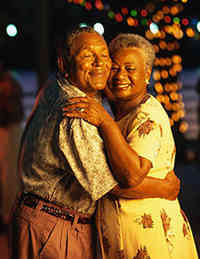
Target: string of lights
161,23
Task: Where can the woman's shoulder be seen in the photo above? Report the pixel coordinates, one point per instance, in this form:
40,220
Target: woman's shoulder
154,109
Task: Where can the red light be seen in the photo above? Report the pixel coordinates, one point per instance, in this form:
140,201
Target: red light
167,19
118,17
124,11
88,6
144,12
185,21
99,4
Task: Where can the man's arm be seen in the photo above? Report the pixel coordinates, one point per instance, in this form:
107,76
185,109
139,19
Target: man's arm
167,188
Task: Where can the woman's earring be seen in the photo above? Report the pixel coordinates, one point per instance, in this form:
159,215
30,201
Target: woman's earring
147,81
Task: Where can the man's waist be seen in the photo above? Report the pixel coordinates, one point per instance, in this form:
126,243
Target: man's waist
34,201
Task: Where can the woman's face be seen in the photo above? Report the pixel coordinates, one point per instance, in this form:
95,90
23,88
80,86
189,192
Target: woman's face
127,79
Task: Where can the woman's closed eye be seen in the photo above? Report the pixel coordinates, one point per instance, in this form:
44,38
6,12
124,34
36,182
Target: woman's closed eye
130,69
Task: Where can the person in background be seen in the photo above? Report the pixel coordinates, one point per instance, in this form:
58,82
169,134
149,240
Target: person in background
11,118
62,164
138,142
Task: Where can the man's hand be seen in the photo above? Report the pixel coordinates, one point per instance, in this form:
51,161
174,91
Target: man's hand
167,188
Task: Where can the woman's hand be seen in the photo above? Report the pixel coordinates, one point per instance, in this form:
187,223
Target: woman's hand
173,186
88,109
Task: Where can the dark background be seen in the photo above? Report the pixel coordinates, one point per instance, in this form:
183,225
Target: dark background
42,21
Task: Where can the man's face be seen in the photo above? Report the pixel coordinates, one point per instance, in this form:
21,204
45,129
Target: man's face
91,63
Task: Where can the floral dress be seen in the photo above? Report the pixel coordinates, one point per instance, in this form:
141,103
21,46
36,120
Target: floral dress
152,228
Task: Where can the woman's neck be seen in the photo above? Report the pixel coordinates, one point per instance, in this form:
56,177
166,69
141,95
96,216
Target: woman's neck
122,108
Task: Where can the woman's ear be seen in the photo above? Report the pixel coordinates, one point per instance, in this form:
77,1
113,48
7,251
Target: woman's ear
148,75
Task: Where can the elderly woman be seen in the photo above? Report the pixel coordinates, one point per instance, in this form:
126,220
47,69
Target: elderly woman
136,228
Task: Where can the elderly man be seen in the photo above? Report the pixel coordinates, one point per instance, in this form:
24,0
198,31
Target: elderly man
62,164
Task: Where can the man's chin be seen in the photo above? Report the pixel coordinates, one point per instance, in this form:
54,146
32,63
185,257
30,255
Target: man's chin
98,85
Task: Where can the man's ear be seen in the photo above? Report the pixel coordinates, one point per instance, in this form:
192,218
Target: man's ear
60,64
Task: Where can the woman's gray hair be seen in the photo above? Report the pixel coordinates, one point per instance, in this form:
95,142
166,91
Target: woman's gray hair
128,40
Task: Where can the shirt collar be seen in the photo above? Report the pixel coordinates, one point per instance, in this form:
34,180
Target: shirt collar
73,91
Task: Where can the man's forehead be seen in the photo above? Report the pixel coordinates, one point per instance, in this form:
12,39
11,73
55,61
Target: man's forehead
88,41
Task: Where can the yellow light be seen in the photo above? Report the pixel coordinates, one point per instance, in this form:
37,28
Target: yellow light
166,99
176,59
174,10
160,98
171,46
156,75
160,15
181,114
149,35
155,18
190,32
162,34
162,44
173,96
130,21
183,127
158,87
168,61
156,48
168,106
166,9
157,62
175,116
172,72
171,122
177,67
164,74
184,1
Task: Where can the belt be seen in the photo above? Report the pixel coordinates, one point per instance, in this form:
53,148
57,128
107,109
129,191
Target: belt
32,200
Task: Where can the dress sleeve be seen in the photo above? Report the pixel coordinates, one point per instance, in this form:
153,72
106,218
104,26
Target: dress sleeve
84,150
145,139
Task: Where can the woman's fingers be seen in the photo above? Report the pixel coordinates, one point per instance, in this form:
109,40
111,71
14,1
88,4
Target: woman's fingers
75,114
78,99
75,106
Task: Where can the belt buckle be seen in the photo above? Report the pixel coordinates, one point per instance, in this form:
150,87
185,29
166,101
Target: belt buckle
30,201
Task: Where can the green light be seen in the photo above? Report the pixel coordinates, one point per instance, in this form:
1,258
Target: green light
176,20
111,14
144,22
133,13
82,24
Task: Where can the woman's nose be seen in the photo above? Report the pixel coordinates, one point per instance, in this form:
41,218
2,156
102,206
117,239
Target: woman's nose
121,74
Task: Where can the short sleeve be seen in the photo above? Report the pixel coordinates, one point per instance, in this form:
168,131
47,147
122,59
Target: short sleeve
145,139
84,151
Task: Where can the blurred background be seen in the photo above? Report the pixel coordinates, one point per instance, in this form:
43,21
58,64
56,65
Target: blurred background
29,31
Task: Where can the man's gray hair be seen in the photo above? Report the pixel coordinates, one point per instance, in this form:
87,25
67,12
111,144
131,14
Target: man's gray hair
65,45
128,40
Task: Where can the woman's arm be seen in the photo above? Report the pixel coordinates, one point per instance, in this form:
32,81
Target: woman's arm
128,168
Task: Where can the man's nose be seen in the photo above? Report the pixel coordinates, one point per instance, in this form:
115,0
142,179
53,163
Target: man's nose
98,60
